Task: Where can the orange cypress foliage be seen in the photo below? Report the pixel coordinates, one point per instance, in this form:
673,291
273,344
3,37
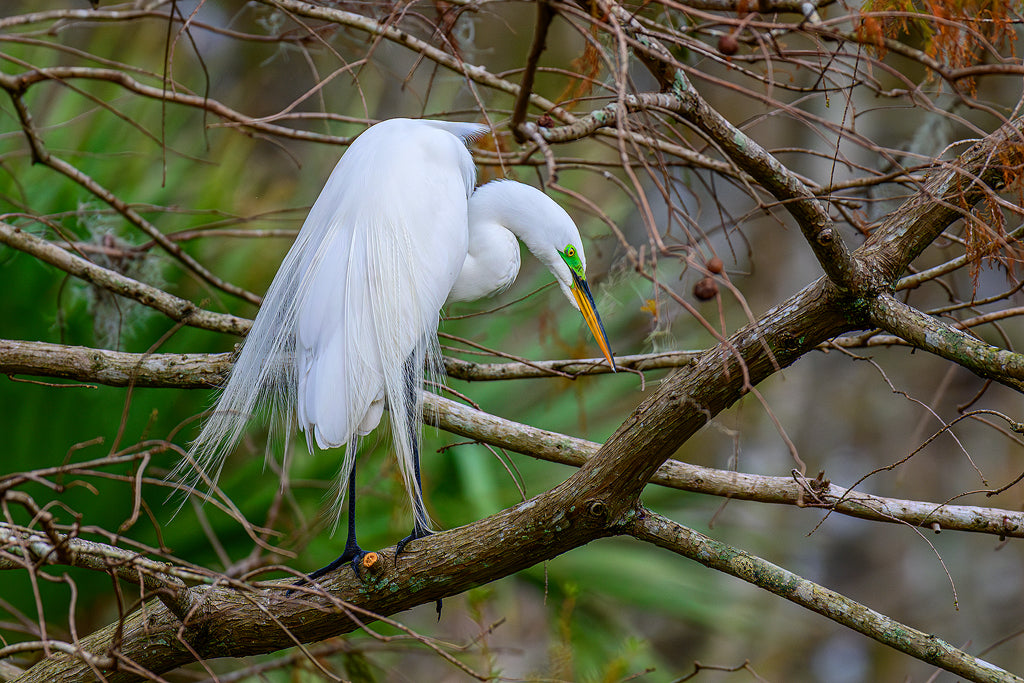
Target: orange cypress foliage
985,227
588,66
882,19
872,32
984,231
954,32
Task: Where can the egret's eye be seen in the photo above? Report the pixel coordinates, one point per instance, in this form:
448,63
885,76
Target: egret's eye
571,256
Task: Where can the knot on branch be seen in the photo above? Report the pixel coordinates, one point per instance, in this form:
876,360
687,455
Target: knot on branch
370,563
598,511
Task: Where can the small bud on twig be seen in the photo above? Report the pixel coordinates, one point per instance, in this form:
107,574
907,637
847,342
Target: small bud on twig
705,289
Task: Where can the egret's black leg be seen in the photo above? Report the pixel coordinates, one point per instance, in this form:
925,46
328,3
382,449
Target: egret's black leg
352,554
419,512
409,371
418,530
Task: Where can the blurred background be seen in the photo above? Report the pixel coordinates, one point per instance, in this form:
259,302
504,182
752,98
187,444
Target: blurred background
232,191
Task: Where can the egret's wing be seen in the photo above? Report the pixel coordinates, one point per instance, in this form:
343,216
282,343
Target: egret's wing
397,207
358,294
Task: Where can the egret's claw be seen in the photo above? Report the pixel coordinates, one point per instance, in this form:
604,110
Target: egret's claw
418,532
353,556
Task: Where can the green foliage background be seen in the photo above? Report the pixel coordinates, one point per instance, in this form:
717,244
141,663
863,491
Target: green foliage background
181,173
607,612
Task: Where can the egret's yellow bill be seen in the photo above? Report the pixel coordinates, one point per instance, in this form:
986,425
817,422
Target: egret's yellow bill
581,291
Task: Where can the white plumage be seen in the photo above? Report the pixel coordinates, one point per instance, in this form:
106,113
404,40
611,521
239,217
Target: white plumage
350,320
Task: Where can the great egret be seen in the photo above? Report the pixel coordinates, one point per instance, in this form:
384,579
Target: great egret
350,320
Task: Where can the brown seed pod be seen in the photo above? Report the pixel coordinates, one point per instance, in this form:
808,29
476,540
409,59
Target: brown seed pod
715,265
728,45
705,289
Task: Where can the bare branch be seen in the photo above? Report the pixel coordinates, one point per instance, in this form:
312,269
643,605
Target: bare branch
114,368
21,546
477,74
175,308
665,533
945,340
545,15
682,98
15,89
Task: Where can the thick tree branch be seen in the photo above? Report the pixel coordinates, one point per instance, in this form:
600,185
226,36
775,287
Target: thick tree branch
206,370
944,340
665,533
114,368
239,619
688,400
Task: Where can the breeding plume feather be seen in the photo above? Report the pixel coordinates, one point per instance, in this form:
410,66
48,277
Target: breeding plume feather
349,322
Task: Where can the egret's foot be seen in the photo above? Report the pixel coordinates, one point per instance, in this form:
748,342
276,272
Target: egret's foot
418,532
353,556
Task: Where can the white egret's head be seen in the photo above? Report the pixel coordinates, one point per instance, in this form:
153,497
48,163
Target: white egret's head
552,236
